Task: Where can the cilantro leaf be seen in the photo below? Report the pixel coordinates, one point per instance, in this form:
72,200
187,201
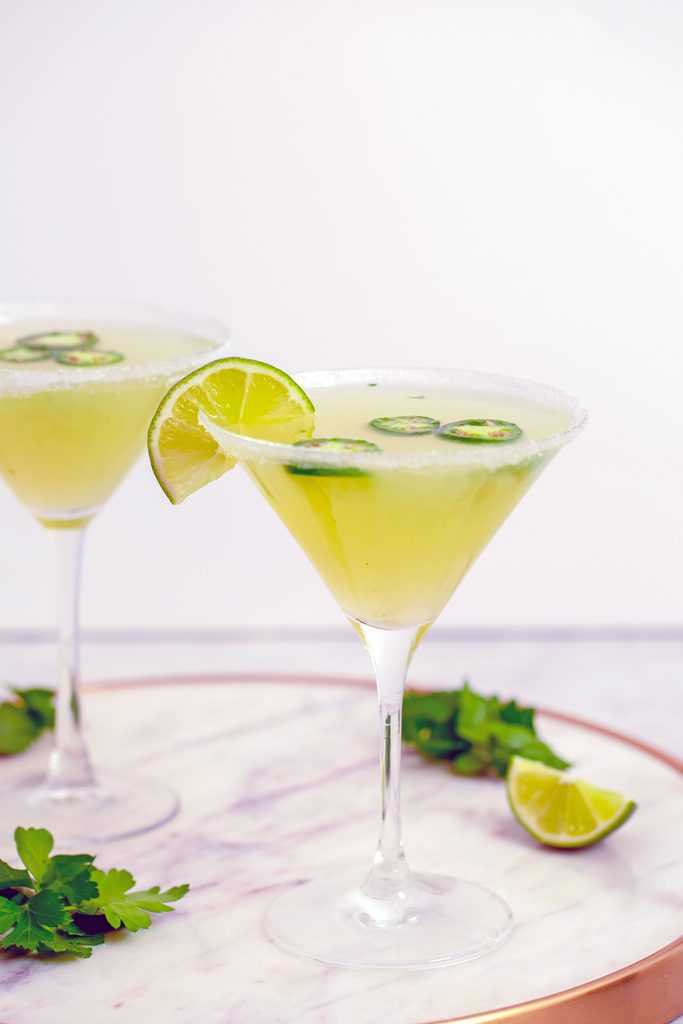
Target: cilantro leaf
39,705
12,877
429,722
64,905
474,715
69,875
17,729
9,914
24,718
32,923
479,735
33,846
516,715
130,909
473,762
74,942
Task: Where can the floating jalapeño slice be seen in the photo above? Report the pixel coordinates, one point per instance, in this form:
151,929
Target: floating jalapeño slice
405,424
58,341
331,444
88,357
22,354
480,431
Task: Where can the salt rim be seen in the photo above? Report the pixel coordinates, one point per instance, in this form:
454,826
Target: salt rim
119,315
476,383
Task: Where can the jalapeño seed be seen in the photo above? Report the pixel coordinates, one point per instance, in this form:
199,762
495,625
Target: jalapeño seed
331,444
86,357
58,341
22,354
480,431
405,424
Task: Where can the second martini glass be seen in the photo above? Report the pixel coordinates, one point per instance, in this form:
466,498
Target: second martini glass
78,384
392,500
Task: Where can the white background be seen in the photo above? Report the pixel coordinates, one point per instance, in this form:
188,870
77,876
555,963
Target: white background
494,185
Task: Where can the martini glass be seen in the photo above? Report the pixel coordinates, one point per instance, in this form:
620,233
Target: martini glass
77,390
392,532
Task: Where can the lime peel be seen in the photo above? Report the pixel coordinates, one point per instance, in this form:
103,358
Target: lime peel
559,811
241,396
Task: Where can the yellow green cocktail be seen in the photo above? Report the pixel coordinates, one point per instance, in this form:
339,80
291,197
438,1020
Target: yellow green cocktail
392,482
392,544
78,384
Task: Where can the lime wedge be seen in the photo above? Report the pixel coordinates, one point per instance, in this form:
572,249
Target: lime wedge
239,395
561,812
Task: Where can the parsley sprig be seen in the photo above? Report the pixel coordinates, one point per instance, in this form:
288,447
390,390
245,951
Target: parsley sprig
23,718
478,735
63,904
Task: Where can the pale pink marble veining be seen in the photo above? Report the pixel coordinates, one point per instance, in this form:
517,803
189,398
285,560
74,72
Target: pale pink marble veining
278,784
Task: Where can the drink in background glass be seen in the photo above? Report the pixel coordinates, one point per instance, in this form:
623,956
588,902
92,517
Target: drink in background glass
79,382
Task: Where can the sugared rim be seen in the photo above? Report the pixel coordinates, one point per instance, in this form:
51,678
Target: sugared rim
251,449
119,314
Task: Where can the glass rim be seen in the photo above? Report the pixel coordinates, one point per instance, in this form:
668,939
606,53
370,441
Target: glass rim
120,313
251,449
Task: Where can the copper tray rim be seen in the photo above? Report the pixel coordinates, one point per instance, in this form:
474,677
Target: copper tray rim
642,978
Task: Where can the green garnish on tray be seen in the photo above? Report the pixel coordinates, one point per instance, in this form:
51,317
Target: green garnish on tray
478,735
63,904
24,718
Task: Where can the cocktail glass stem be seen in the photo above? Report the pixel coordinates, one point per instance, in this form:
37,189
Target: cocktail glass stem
390,651
69,766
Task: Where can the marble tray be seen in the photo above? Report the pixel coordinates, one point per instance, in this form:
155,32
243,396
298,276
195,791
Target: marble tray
278,784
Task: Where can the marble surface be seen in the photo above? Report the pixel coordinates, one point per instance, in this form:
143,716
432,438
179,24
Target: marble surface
278,782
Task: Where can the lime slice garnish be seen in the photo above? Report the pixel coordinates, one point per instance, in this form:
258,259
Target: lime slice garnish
239,395
559,811
59,340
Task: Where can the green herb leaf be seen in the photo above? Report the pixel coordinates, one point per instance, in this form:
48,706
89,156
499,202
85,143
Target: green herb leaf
516,715
13,877
17,730
473,762
474,715
24,718
64,905
130,909
61,943
39,706
478,735
69,875
33,921
34,846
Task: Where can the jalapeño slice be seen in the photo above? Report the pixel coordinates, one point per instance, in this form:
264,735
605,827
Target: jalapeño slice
59,341
480,431
405,424
331,444
22,354
86,357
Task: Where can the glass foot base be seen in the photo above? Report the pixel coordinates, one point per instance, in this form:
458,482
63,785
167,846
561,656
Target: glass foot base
118,806
436,921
